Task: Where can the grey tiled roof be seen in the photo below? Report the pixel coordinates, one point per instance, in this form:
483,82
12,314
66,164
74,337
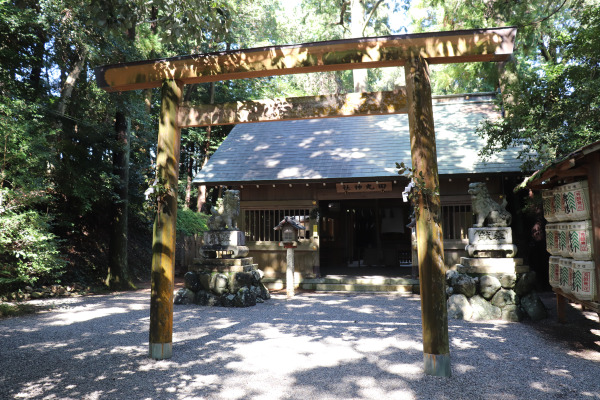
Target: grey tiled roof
352,147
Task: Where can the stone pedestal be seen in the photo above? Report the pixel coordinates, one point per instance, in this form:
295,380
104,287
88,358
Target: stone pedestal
227,244
492,283
491,266
223,276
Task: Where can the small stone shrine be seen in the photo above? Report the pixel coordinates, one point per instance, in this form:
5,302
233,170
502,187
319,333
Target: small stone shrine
224,275
491,283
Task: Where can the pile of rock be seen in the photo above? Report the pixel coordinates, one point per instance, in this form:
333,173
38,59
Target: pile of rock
510,297
44,292
227,289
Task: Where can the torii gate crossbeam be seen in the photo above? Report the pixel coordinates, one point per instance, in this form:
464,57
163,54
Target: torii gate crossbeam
414,51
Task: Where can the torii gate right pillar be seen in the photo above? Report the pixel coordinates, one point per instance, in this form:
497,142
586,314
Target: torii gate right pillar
432,271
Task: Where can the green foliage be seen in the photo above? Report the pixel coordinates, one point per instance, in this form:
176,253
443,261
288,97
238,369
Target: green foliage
539,23
29,252
555,105
550,90
190,222
16,310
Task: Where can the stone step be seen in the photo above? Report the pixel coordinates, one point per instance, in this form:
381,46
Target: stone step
344,287
350,284
361,280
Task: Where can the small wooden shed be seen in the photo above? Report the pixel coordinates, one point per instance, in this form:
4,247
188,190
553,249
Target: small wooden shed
561,183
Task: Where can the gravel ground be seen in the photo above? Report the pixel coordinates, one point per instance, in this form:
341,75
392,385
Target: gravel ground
315,346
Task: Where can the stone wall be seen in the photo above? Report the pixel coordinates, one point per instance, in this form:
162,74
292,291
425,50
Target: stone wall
510,297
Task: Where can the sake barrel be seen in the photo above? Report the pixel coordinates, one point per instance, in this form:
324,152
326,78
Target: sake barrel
552,239
566,274
576,201
559,203
563,239
584,285
548,203
554,271
580,240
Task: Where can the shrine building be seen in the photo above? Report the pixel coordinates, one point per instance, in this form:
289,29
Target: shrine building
338,177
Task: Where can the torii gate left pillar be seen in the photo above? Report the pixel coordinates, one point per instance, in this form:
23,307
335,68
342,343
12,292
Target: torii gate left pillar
164,233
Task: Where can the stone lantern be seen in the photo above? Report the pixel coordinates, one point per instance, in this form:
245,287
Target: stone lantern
289,228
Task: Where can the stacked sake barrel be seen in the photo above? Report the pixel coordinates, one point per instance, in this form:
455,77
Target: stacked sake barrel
569,239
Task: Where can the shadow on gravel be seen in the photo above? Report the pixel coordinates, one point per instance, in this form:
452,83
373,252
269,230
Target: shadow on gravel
321,346
580,334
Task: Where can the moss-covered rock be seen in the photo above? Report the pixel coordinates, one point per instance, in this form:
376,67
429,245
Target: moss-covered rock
245,298
533,306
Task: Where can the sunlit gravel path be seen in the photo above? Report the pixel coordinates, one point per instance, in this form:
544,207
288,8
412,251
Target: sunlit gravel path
315,346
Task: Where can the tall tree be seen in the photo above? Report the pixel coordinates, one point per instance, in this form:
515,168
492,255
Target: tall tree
548,99
57,144
557,101
360,16
119,275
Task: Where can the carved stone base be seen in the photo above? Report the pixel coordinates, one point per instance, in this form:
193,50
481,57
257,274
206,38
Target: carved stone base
491,250
233,262
211,251
498,266
245,264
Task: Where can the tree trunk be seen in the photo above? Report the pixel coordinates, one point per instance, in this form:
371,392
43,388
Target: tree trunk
507,77
119,276
69,84
190,176
35,77
202,188
357,23
154,30
432,271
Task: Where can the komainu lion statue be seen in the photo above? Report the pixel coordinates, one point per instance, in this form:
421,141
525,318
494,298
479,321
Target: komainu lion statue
486,209
224,215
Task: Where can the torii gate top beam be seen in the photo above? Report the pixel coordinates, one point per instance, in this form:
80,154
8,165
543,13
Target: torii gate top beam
474,45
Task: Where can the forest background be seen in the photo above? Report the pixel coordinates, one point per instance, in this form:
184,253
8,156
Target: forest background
76,162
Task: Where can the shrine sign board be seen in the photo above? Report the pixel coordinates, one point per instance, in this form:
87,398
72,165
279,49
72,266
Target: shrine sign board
363,187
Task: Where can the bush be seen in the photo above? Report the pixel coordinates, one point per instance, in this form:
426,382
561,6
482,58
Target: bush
28,251
190,222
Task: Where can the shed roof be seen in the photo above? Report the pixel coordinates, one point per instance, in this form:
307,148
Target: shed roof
561,168
354,147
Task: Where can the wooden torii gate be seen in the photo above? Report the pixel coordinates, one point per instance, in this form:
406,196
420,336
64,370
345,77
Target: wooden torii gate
415,52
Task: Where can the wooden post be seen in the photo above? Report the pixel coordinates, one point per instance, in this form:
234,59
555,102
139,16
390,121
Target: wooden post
436,350
163,241
561,309
593,176
289,272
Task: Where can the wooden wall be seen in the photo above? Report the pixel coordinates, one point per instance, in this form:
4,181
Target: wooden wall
271,257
